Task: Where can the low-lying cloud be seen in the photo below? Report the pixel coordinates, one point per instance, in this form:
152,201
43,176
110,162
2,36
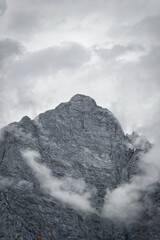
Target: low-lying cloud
68,190
124,203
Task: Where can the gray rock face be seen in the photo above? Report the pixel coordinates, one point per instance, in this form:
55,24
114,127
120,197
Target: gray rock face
77,139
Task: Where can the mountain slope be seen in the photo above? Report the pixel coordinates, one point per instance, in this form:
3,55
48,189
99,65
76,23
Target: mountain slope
55,170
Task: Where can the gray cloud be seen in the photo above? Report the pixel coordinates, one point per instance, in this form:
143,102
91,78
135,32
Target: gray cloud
47,61
149,26
3,6
109,54
40,16
146,31
9,49
68,190
150,63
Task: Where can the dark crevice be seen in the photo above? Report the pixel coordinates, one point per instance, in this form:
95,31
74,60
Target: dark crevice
126,237
3,156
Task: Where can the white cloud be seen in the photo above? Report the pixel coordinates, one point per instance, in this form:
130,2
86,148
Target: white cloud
124,203
69,191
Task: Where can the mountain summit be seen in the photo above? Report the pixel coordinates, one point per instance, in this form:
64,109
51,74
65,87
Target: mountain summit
82,102
58,171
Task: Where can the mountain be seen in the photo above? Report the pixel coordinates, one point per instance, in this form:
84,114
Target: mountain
55,172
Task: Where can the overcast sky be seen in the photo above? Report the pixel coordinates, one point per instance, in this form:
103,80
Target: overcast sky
108,49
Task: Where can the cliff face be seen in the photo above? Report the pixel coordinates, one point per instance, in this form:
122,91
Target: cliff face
55,170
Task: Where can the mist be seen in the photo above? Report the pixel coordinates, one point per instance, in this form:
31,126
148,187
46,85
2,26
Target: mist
5,182
69,191
124,203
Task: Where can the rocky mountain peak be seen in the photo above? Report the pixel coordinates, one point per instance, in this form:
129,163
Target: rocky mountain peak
55,171
25,119
82,102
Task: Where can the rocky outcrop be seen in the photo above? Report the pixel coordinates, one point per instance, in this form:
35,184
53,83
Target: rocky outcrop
77,139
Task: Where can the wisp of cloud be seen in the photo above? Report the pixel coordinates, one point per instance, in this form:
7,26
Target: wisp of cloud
123,203
67,190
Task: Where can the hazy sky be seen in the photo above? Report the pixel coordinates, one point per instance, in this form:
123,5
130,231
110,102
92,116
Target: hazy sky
108,49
